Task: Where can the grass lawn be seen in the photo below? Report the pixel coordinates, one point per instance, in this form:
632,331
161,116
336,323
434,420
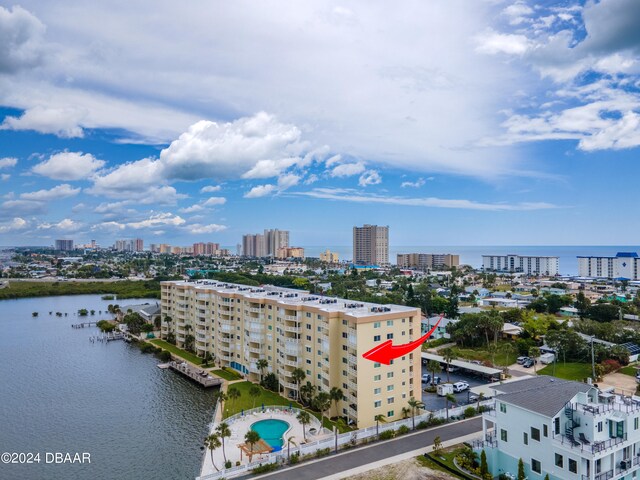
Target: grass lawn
568,371
446,457
177,351
501,357
267,397
629,370
227,374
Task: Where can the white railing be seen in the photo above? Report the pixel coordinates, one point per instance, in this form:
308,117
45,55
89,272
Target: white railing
343,439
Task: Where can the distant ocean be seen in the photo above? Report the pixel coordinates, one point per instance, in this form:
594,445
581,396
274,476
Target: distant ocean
470,255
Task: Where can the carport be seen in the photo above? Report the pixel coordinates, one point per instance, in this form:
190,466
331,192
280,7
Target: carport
486,372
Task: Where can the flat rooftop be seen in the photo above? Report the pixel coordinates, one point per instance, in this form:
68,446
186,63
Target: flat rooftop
294,297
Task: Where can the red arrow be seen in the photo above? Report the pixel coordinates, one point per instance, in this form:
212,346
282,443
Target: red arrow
385,352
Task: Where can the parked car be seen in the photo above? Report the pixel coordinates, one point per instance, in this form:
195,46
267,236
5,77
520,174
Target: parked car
521,360
460,387
426,378
452,369
436,381
529,363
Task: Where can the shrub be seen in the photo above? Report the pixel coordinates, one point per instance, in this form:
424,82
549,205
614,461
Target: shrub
610,365
148,348
403,429
323,452
469,412
422,425
387,435
228,464
267,467
164,356
295,458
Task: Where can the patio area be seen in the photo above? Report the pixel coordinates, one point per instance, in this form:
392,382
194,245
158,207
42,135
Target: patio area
240,425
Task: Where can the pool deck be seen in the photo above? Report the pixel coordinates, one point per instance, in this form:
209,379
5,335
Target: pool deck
240,426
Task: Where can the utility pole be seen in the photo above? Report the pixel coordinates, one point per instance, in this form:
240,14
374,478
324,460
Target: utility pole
593,364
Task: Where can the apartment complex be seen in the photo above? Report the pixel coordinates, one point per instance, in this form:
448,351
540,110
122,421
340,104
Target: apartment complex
329,256
64,245
530,265
208,248
290,252
265,245
371,245
135,245
623,265
568,430
428,261
325,337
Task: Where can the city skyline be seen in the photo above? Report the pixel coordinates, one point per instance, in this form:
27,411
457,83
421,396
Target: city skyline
474,123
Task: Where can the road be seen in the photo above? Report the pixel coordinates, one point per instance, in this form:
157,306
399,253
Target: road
334,464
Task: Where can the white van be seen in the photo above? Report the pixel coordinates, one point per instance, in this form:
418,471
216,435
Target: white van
460,387
445,389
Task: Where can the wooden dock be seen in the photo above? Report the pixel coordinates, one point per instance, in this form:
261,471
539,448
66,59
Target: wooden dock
84,324
196,374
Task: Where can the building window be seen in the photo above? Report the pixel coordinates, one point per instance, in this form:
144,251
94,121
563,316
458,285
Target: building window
599,427
308,362
376,391
389,323
309,338
503,435
389,336
390,413
525,438
573,466
556,423
376,324
376,365
377,404
503,408
535,434
377,378
545,431
390,400
389,388
635,423
389,374
559,461
535,465
376,338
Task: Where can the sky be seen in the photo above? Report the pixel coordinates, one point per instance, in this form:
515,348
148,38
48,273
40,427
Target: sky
455,122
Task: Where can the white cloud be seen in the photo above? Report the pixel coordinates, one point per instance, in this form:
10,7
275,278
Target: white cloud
348,169
192,209
4,177
287,181
20,39
62,122
69,166
14,225
60,191
313,178
370,177
65,225
492,42
621,134
210,189
417,184
214,201
197,228
357,197
260,191
158,219
8,162
11,208
127,177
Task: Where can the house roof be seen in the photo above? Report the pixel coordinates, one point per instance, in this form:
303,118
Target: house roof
542,394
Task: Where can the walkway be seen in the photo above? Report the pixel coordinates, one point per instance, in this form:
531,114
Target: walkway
359,459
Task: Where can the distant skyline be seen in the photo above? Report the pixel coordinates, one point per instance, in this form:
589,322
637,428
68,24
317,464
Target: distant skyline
454,122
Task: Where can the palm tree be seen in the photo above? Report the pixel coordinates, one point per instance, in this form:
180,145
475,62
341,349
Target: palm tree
233,394
262,364
405,412
534,352
254,392
336,395
305,419
322,402
306,392
379,418
508,349
480,398
492,349
415,404
449,397
220,398
223,431
290,441
212,442
434,367
298,376
251,438
449,356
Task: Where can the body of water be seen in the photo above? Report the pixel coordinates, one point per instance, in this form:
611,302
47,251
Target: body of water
472,255
59,392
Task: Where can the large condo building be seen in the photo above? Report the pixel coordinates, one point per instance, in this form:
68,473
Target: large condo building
371,245
428,261
64,245
253,246
623,265
567,430
136,245
268,244
531,265
325,337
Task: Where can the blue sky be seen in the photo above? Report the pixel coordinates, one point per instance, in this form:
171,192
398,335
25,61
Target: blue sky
454,122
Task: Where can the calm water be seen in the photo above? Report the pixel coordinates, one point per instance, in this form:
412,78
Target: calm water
61,393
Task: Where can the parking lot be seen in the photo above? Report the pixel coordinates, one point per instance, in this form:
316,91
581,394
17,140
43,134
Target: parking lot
433,401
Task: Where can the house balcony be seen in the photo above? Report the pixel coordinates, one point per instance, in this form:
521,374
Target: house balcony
255,310
489,441
586,447
254,349
627,465
293,386
292,329
225,327
291,363
291,318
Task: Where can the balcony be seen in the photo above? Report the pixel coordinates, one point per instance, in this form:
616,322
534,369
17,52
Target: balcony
591,448
226,358
253,349
256,337
292,329
255,327
600,476
255,310
290,385
627,464
292,348
291,317
489,441
225,327
352,386
291,363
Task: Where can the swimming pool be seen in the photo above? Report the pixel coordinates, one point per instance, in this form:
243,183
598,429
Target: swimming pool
271,431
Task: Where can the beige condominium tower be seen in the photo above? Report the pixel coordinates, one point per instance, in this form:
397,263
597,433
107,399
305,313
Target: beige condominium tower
371,245
323,336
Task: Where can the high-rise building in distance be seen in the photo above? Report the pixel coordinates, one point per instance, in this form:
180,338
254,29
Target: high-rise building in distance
274,240
530,265
371,245
428,261
253,245
64,245
329,256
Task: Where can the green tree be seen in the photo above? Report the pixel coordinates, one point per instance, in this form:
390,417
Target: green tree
437,445
380,418
251,438
414,405
305,419
322,402
290,441
582,303
484,467
534,353
261,365
434,367
449,398
336,396
298,376
212,442
223,432
254,393
233,394
449,356
307,391
521,475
